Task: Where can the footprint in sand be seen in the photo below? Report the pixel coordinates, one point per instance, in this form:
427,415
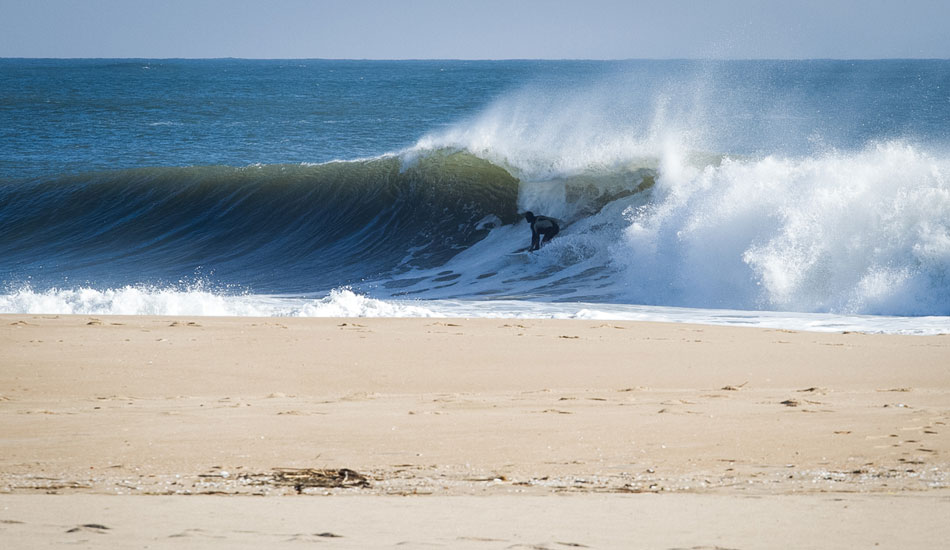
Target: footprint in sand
195,532
89,528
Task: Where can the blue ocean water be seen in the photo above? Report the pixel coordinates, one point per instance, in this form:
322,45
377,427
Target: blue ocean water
813,190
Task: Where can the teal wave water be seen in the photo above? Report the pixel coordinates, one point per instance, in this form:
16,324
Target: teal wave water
805,186
276,228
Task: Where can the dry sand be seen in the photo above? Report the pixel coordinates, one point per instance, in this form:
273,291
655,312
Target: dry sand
488,433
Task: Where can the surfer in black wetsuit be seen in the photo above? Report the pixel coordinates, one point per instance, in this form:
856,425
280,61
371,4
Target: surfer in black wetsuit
541,226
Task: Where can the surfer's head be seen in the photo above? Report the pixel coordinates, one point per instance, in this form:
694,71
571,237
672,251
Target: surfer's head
529,215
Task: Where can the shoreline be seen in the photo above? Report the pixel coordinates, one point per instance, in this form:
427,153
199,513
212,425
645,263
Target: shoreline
132,301
113,407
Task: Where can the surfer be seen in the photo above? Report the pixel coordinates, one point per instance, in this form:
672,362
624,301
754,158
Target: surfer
541,225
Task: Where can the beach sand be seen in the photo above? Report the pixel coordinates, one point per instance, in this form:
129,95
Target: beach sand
468,433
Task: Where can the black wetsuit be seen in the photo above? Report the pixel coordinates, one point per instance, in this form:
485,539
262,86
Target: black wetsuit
541,226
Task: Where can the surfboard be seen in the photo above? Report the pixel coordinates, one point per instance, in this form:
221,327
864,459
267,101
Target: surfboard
524,250
521,256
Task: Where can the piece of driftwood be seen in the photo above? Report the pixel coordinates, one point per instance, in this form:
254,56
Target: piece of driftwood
302,478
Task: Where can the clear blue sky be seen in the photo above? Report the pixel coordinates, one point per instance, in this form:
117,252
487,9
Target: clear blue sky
476,29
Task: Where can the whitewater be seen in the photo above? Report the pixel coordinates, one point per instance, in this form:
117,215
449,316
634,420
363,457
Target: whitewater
799,195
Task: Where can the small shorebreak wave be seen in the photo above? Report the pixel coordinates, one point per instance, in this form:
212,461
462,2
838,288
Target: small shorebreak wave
195,300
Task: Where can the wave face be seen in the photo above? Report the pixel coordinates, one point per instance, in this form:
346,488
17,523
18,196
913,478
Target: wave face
815,186
274,228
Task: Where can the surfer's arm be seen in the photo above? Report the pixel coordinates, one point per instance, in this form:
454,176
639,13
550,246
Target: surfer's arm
535,239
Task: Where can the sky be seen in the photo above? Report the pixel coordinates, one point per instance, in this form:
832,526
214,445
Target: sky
477,29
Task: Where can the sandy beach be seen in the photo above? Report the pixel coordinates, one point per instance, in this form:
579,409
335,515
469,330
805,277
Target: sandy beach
468,433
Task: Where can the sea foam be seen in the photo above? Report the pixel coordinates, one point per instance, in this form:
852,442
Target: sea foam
860,232
142,300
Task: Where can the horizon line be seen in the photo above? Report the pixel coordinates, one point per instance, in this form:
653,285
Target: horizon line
586,59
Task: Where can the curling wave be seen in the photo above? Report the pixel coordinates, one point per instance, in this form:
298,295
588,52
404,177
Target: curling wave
274,228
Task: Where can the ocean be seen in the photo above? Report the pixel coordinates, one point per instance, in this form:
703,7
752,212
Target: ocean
811,195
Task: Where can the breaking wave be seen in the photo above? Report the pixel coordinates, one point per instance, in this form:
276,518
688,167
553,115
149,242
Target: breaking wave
733,190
